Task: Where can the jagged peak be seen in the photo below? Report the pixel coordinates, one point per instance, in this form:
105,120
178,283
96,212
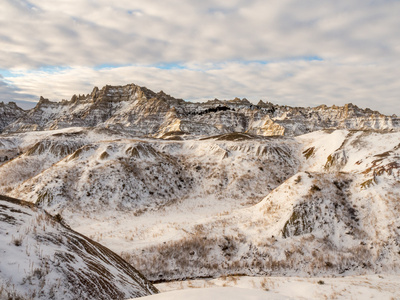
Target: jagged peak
215,101
265,104
236,100
43,100
131,103
10,104
116,93
112,93
94,92
161,93
240,101
349,107
74,98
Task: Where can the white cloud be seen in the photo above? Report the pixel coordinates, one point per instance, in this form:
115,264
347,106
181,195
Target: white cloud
9,92
89,33
296,83
357,40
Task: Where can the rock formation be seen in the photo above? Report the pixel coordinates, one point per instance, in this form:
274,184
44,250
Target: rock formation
9,113
142,112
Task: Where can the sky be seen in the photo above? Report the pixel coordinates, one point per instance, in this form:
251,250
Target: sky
289,52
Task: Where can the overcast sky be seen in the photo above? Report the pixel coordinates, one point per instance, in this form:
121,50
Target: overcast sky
299,53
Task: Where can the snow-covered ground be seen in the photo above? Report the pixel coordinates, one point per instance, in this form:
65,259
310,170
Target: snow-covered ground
307,208
380,287
217,293
325,203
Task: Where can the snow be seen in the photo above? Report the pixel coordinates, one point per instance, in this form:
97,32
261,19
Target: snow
42,259
360,148
325,143
349,287
234,195
237,189
319,204
216,293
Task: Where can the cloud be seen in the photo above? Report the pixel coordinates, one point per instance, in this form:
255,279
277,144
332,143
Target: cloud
206,49
88,33
295,82
9,92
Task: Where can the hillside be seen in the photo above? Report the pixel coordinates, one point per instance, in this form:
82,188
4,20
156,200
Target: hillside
187,190
142,112
323,203
129,174
43,259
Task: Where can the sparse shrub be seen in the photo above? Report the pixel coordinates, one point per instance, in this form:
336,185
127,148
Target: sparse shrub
366,184
17,241
308,152
104,155
315,188
264,284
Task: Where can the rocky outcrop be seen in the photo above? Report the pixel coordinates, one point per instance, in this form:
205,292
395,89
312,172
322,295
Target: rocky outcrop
142,112
9,113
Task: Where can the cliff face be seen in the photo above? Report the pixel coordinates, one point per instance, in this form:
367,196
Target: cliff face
143,112
132,108
9,113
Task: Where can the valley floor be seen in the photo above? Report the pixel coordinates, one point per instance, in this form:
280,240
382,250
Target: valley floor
246,287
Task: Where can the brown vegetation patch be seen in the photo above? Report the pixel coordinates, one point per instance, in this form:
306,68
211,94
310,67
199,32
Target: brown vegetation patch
309,152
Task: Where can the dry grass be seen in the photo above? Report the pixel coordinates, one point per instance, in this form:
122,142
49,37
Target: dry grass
201,255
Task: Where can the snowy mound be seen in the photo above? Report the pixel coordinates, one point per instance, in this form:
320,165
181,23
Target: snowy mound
339,215
327,201
43,259
76,174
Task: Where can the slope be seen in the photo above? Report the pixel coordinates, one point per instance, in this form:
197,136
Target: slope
139,174
43,259
326,202
324,222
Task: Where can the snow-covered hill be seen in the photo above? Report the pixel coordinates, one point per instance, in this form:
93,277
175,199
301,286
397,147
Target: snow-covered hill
191,190
321,203
64,173
142,112
43,259
339,218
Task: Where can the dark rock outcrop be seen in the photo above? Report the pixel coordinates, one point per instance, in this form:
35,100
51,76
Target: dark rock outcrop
9,113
